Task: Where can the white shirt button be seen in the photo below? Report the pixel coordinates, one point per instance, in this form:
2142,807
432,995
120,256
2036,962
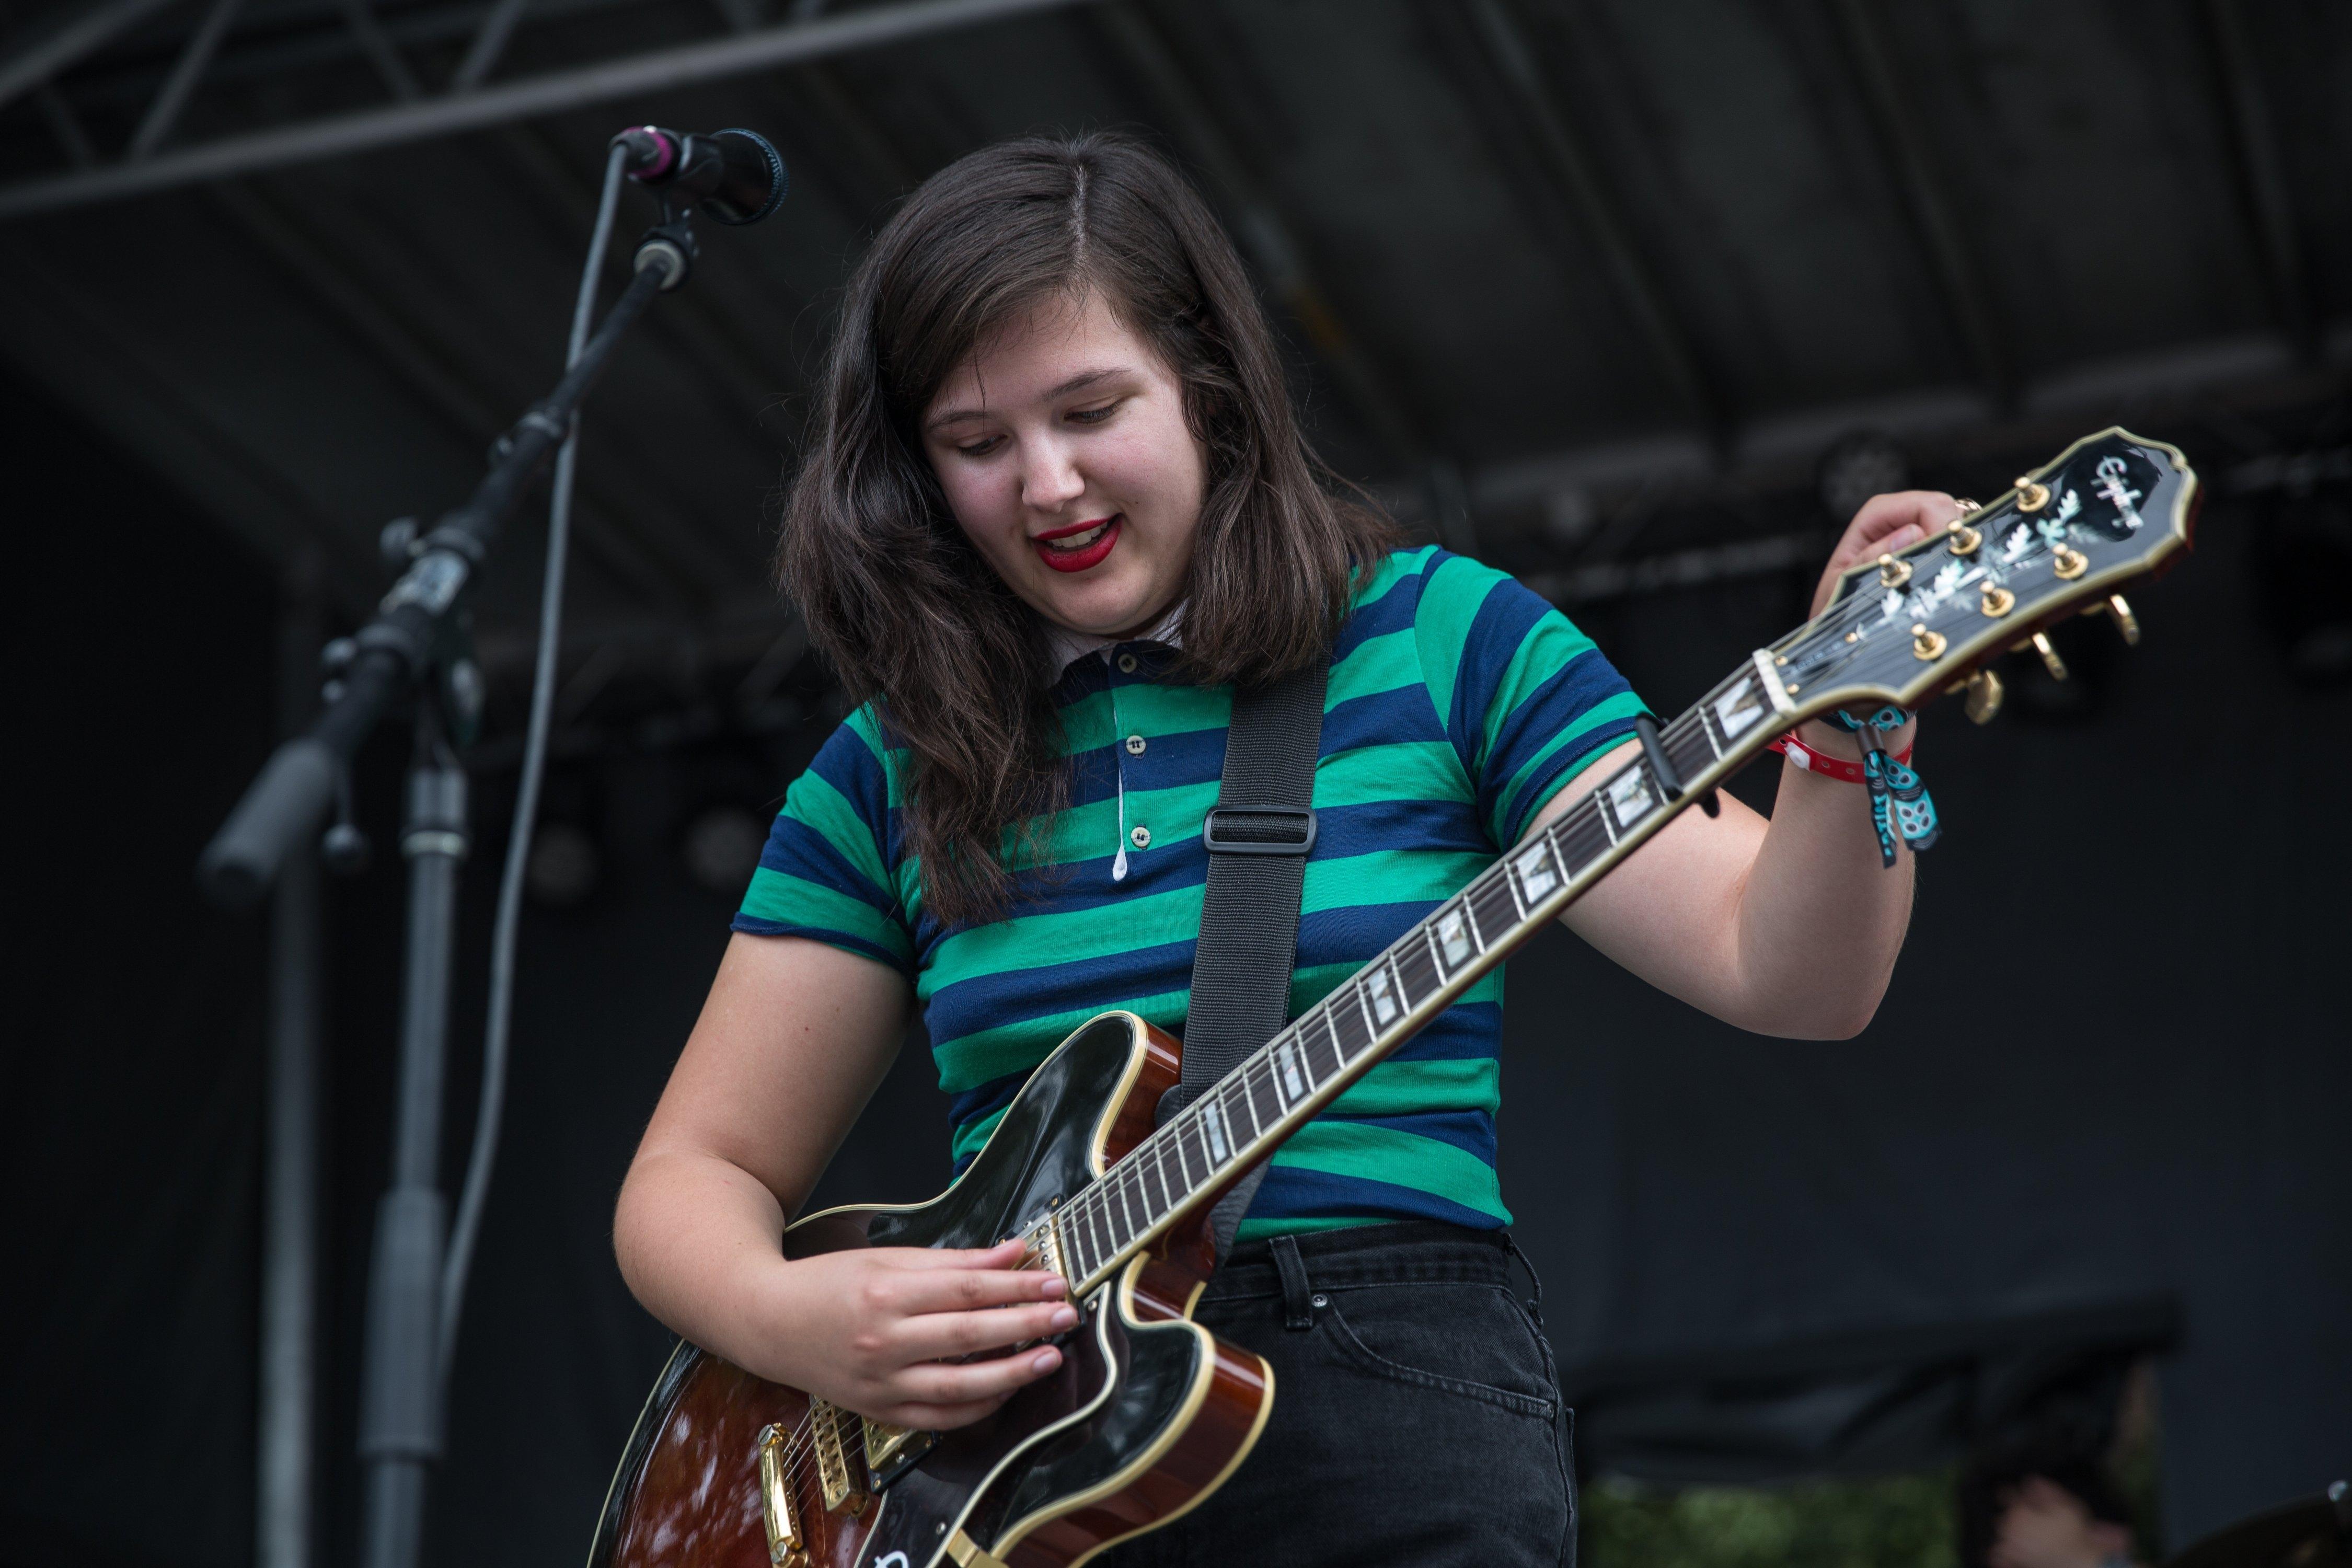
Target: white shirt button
1135,745
1140,838
1127,664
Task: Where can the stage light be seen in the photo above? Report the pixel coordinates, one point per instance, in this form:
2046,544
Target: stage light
564,868
722,849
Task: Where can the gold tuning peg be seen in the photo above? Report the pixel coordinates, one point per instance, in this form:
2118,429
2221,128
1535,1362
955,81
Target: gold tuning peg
2050,659
1984,697
2126,622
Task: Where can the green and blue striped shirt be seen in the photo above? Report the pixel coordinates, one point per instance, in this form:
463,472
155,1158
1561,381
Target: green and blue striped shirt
1459,702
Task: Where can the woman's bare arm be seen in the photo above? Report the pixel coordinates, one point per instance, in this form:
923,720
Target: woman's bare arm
1789,927
791,1044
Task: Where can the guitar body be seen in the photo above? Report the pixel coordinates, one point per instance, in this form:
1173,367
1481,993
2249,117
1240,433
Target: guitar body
1147,1416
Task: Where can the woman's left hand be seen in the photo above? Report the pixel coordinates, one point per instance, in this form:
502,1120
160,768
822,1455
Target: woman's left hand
1885,523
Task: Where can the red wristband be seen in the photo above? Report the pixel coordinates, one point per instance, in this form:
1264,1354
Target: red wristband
1819,762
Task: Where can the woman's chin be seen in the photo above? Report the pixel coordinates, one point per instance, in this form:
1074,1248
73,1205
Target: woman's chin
1101,607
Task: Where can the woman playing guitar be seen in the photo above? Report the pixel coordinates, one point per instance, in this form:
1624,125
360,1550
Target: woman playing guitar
1055,509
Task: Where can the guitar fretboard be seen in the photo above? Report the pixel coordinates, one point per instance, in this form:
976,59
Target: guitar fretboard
1315,1058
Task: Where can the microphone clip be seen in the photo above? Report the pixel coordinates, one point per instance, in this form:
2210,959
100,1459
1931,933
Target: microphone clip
669,245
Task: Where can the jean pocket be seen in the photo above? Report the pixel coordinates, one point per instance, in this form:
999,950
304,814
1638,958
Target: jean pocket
1470,1340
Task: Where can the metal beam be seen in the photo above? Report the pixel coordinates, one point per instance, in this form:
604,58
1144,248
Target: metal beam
65,126
2261,178
1933,214
60,49
397,79
1263,230
1573,175
489,42
369,130
181,85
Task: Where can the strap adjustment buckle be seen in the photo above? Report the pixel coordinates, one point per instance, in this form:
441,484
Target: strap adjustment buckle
1223,844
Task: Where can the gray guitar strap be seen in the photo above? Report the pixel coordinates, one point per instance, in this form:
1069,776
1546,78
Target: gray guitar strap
1258,836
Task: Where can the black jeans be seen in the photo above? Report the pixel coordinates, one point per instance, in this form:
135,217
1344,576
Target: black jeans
1417,1418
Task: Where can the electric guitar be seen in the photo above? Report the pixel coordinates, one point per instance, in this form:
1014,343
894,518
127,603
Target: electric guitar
1149,1412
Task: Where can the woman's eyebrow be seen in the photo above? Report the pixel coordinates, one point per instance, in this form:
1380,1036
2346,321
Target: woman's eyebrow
1077,383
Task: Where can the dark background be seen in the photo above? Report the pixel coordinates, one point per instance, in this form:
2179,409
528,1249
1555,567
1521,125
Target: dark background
1609,294
2103,1105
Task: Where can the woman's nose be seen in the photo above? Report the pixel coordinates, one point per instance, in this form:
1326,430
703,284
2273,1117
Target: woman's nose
1049,479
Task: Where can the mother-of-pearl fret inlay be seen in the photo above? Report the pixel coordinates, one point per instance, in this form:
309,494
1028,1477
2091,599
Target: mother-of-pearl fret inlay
1534,866
1286,1058
1739,708
1212,1123
1630,798
1384,1005
1454,937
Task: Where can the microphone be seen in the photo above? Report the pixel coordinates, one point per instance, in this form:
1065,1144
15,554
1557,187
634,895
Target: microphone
736,174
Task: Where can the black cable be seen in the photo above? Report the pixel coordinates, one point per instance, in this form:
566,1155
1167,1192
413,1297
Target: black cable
467,1224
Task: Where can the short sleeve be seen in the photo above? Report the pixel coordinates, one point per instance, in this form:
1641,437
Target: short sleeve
1529,699
826,872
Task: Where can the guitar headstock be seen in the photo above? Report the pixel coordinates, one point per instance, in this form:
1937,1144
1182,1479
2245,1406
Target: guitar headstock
2109,509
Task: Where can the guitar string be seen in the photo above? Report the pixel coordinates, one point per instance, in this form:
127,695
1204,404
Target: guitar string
1123,1180
1413,949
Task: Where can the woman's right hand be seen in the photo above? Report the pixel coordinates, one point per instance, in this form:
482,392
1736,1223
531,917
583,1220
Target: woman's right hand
909,1335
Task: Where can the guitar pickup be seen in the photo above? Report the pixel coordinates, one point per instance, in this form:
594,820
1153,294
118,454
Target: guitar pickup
891,1451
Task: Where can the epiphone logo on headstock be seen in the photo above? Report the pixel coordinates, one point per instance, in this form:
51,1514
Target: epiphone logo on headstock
2107,497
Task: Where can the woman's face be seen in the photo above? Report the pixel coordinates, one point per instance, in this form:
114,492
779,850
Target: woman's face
1061,447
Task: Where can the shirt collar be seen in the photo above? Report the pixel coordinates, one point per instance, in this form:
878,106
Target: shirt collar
1067,646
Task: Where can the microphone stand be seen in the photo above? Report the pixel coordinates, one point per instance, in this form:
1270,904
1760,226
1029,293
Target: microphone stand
418,641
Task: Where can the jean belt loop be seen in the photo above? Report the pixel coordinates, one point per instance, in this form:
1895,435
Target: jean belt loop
1297,1306
1535,1302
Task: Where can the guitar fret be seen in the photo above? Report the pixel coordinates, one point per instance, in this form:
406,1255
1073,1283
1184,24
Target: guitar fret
1249,1104
1429,940
1218,1139
1379,999
1100,1232
1127,1204
1709,731
1579,846
1192,1153
1511,886
1145,1170
1537,873
1496,909
1292,1078
1702,755
1075,1255
1328,1015
1601,813
1265,1093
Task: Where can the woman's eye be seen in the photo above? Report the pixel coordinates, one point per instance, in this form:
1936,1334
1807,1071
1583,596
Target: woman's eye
1094,416
980,449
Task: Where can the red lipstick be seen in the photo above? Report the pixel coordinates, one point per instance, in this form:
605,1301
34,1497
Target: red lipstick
1090,554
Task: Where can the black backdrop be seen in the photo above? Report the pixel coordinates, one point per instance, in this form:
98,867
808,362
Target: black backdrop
2102,1107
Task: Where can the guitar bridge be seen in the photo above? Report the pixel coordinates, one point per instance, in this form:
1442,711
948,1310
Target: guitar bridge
787,1547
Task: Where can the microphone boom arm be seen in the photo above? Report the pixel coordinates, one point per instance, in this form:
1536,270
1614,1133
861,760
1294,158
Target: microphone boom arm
296,788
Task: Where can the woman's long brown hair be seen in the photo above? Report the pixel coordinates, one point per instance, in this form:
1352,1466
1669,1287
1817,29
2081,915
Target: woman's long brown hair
895,596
